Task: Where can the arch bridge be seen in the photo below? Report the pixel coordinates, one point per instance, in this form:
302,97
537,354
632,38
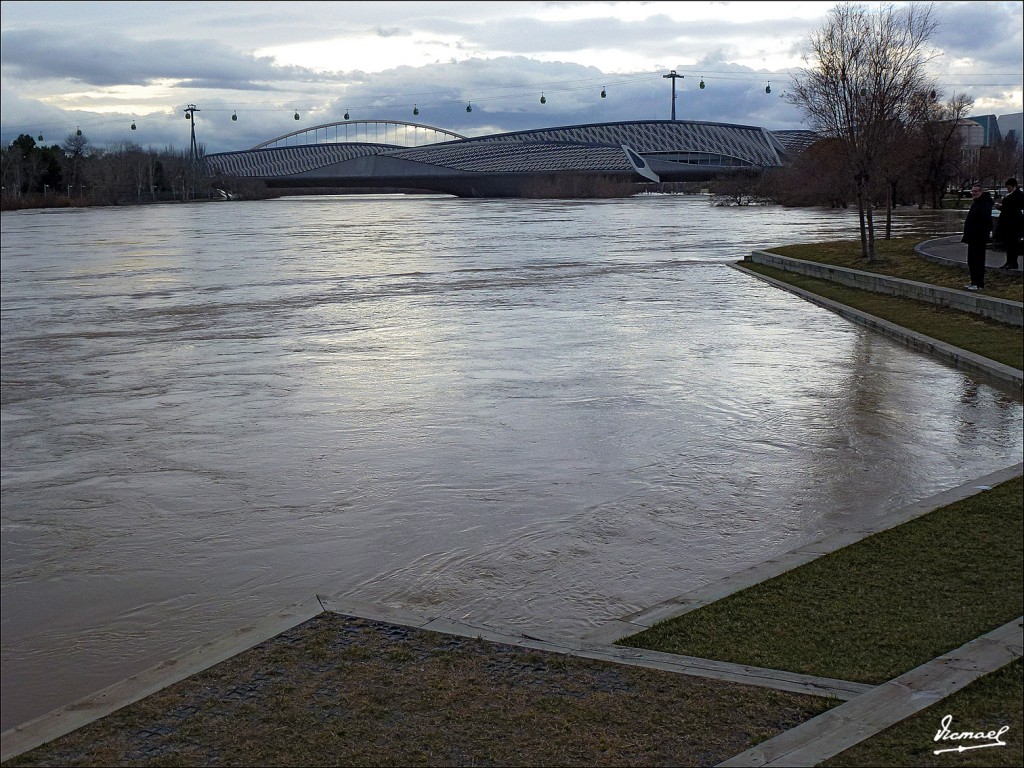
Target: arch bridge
398,133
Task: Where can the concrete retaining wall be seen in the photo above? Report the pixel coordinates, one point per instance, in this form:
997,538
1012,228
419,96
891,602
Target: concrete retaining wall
1003,310
967,361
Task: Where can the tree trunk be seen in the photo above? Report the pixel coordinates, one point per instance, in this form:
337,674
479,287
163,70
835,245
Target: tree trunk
860,214
888,210
871,233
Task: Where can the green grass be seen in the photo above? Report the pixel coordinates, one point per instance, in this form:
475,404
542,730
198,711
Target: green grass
875,609
411,697
987,704
896,258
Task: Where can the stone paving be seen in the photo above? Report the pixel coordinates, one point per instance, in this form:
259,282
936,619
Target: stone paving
949,250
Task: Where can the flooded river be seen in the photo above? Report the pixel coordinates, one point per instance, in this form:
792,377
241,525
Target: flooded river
534,415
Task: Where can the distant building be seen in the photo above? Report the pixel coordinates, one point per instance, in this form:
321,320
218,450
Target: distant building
512,164
989,130
1012,125
972,129
983,145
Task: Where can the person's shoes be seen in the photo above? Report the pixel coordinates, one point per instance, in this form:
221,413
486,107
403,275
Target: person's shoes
972,287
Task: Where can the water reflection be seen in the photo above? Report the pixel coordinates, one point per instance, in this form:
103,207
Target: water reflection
537,415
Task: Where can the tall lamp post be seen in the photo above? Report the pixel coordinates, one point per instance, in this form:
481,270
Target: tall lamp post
673,77
190,115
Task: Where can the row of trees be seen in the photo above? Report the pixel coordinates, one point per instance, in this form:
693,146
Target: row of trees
77,173
932,161
884,119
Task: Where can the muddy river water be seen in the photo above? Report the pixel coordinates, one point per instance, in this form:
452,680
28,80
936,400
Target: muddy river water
533,415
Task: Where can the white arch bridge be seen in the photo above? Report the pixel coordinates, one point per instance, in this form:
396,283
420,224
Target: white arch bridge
394,132
376,154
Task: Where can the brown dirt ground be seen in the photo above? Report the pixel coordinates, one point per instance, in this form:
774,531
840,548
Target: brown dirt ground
338,690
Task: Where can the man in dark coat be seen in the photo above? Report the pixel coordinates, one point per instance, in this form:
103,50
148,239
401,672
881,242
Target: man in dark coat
1011,222
977,227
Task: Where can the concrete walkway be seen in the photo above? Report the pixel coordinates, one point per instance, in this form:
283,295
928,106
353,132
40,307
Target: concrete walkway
950,251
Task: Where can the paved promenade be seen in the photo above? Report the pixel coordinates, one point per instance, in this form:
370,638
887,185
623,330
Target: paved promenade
949,250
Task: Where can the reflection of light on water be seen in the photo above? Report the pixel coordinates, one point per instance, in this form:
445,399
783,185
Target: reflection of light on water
537,415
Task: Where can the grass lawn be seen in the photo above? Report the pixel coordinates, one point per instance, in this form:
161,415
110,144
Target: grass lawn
987,704
875,609
342,691
896,258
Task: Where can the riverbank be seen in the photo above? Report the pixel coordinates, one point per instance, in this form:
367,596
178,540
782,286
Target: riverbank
62,201
335,689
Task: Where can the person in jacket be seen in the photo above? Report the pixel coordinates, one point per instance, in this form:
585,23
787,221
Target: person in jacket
1011,223
977,227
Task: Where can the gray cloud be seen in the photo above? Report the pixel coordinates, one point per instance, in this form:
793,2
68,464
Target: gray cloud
504,93
111,60
656,32
989,33
391,32
205,51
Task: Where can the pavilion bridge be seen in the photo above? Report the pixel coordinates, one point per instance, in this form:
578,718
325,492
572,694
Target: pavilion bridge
374,154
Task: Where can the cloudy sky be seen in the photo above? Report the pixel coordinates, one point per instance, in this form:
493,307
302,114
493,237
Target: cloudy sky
100,66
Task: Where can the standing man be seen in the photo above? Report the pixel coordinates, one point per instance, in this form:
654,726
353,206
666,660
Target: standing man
1011,222
977,227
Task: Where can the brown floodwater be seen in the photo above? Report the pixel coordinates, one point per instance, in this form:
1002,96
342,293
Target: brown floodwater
532,415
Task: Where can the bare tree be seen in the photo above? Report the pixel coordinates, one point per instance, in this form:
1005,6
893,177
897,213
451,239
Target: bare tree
866,69
817,176
894,164
999,161
76,148
116,175
938,138
744,187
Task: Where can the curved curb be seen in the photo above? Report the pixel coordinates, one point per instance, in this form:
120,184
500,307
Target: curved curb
66,719
961,358
930,250
634,623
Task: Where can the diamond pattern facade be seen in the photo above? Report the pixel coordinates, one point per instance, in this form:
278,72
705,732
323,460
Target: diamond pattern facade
670,146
